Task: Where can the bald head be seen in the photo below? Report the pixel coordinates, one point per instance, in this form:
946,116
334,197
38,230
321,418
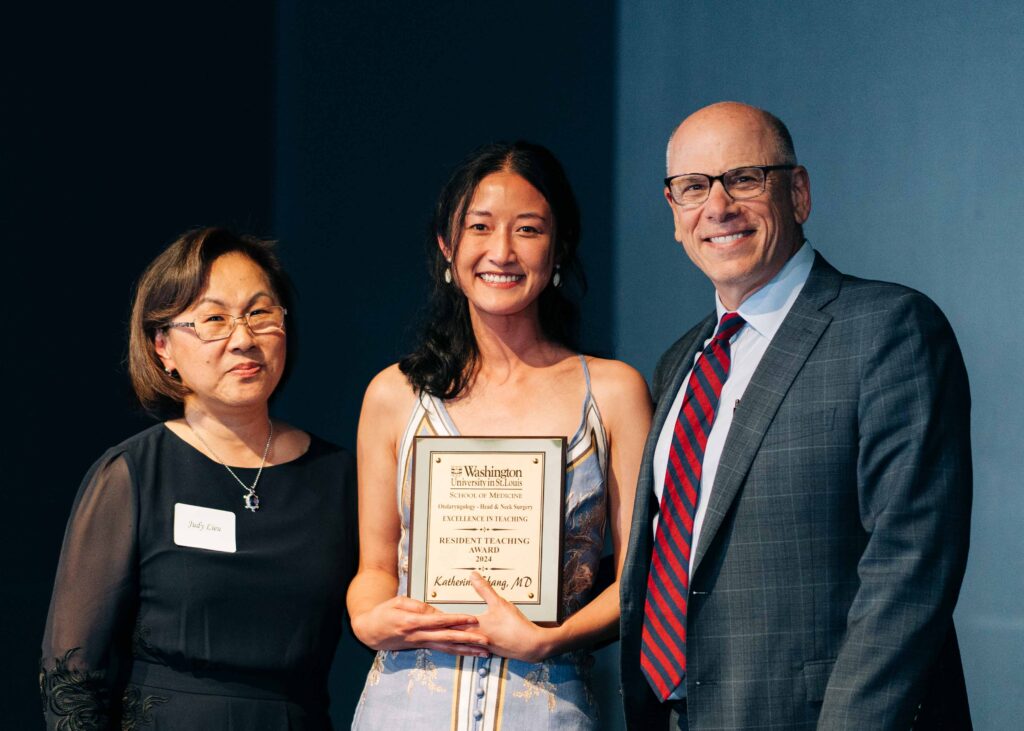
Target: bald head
759,124
740,243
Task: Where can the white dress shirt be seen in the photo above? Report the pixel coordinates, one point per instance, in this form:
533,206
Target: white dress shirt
764,312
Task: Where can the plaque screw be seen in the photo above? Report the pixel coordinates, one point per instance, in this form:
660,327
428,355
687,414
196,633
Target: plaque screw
535,460
530,595
433,595
437,460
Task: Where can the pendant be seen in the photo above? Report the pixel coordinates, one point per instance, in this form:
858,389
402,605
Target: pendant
252,501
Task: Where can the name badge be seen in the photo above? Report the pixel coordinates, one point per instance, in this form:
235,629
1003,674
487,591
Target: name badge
207,528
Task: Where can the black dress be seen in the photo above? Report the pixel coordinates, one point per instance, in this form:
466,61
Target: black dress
144,633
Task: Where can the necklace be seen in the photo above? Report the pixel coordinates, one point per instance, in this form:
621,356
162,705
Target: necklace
251,500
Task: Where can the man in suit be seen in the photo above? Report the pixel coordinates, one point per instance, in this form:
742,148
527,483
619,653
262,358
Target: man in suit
803,509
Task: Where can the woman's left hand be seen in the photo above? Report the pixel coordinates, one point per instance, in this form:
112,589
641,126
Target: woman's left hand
510,634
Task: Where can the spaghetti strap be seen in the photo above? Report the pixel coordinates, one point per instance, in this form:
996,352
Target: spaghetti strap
586,375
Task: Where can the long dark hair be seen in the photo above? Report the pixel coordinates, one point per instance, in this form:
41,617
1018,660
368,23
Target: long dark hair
444,363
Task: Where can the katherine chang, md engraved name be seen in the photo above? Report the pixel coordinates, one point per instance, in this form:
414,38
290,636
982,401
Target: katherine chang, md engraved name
520,582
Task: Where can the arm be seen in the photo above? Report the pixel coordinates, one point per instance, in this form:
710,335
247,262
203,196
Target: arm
914,485
381,620
85,652
625,406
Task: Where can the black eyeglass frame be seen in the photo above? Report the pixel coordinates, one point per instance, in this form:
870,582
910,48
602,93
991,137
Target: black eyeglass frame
765,169
234,323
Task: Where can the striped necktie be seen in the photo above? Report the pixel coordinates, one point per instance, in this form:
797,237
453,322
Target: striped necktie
663,642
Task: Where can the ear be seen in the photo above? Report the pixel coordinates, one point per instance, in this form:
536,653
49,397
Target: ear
800,190
162,346
676,216
444,248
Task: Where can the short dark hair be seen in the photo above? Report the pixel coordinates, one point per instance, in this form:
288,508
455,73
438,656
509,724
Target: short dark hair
172,282
444,362
783,140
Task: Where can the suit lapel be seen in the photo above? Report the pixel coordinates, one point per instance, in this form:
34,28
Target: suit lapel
785,356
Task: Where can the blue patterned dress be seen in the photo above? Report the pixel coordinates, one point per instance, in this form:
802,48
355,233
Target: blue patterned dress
425,689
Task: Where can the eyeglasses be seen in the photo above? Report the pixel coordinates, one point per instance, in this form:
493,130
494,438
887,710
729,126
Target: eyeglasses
218,326
692,189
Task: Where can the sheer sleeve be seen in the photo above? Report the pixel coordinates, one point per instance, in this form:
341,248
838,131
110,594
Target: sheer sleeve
86,645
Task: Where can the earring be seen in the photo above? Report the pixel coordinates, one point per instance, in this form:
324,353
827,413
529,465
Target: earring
448,273
556,279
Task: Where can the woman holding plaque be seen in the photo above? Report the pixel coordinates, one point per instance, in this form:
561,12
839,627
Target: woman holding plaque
202,578
495,359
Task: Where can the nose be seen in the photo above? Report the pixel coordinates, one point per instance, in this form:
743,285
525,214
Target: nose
501,247
241,338
719,205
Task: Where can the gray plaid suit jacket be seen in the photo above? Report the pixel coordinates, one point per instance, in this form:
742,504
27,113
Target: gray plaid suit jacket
836,536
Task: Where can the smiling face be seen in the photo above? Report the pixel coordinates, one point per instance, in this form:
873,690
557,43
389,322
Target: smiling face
739,244
505,254
242,371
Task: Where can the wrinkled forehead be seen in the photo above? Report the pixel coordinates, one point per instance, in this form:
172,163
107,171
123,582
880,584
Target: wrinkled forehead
714,143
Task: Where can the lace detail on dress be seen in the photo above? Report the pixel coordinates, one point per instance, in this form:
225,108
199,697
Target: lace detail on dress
425,673
537,683
135,710
78,699
377,668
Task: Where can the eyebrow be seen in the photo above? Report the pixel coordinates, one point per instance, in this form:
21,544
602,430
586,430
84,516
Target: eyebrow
219,303
488,214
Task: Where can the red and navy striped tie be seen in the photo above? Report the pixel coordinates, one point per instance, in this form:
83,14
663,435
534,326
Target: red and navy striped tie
663,643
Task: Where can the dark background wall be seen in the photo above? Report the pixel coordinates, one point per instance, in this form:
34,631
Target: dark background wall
120,128
331,127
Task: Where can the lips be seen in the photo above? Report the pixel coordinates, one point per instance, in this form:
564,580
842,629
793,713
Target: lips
496,278
728,238
248,369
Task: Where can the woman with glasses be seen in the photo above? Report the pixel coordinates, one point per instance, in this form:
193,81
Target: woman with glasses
495,359
202,577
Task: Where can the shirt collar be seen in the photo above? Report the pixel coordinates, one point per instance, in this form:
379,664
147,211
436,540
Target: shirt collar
765,310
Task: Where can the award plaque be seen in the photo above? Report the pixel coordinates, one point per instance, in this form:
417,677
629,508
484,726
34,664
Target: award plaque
492,505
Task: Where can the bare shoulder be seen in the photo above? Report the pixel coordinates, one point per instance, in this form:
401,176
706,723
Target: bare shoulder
389,397
618,386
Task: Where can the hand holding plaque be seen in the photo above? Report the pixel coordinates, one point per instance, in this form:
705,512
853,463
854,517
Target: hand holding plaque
491,505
